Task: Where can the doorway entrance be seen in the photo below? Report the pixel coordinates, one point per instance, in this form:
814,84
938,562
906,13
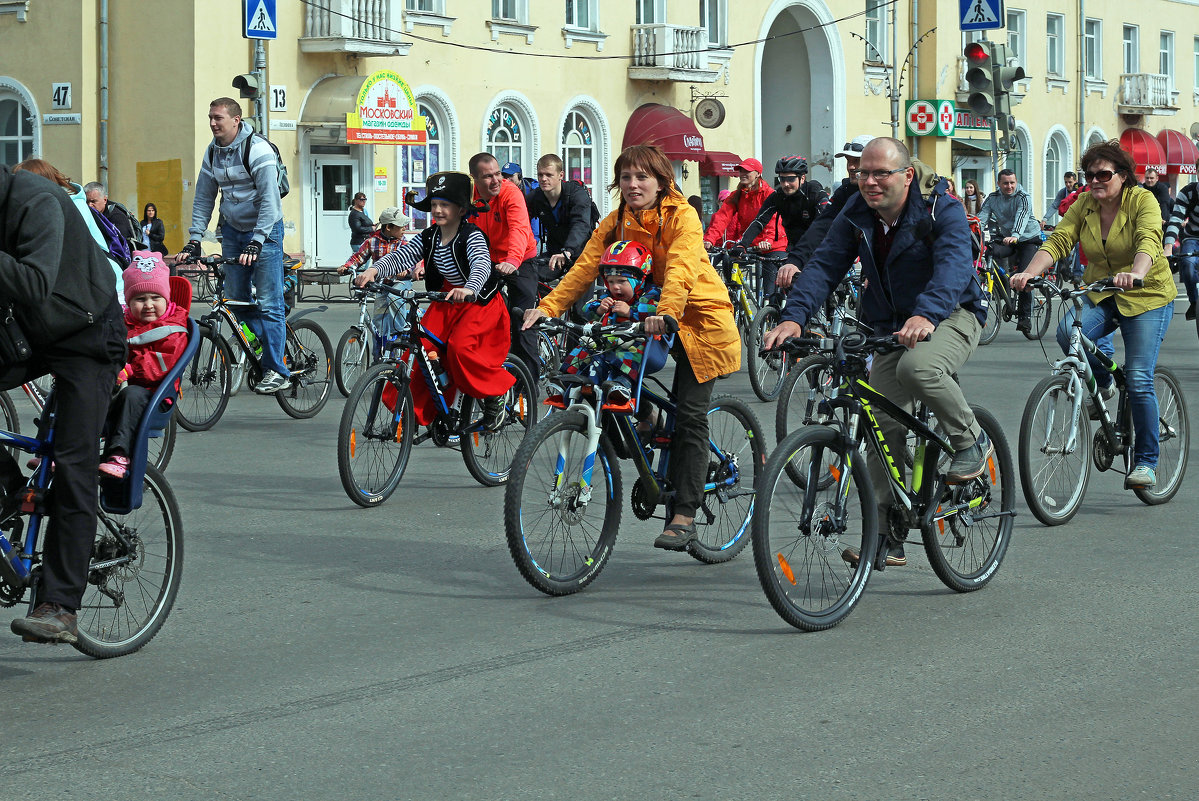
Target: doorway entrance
335,179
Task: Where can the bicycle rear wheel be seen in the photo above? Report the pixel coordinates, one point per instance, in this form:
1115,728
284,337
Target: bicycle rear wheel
1055,450
1042,313
205,384
800,533
736,453
994,317
9,420
562,505
549,356
488,454
1174,439
309,357
159,449
965,547
126,603
766,373
350,360
374,438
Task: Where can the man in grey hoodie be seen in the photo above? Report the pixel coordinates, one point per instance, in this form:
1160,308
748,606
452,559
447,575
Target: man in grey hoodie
1010,211
251,228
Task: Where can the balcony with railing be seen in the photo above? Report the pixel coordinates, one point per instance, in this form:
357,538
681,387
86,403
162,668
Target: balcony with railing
671,53
359,27
1146,93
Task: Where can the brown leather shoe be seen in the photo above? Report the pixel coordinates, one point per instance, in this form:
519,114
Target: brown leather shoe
49,623
895,556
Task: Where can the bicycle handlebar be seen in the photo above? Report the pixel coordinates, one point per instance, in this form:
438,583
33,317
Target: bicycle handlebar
601,331
405,294
1069,293
854,342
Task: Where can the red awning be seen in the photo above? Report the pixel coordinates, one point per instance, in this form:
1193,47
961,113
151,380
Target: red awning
1145,150
719,162
1180,150
666,127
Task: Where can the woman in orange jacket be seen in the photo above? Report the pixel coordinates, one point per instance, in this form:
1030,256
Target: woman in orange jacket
653,212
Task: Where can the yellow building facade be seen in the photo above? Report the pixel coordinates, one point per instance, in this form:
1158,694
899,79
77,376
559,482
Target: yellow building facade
712,80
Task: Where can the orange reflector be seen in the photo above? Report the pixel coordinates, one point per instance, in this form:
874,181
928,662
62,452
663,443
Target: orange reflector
991,465
353,441
399,429
475,436
832,468
941,522
520,405
786,568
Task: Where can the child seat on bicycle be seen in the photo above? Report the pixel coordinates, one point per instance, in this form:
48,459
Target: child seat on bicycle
628,296
477,334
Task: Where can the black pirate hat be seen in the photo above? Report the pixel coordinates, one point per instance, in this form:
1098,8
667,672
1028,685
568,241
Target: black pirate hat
454,187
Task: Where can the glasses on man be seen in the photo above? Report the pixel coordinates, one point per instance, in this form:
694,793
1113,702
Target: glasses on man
788,179
1103,176
878,175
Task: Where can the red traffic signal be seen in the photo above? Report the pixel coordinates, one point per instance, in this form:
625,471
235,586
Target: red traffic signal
976,53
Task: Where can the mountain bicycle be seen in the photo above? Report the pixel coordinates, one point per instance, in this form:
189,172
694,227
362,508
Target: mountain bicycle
744,274
207,383
562,503
1002,302
815,528
378,423
363,343
137,557
1056,448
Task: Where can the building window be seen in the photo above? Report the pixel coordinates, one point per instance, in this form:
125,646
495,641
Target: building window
582,14
1015,36
510,11
418,162
506,138
1132,49
1055,56
651,12
713,15
876,31
1196,46
427,6
578,150
1015,159
1093,49
1165,56
16,131
1055,167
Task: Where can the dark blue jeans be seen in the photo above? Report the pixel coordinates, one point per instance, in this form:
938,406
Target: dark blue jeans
267,319
1188,267
1143,335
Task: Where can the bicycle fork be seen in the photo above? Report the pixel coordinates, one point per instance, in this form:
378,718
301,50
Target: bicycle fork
578,493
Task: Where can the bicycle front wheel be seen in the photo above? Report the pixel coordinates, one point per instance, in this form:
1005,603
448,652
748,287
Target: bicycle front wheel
205,384
1173,438
309,357
967,534
736,453
766,373
350,360
137,563
1055,449
802,534
562,505
374,438
488,454
994,317
159,449
1042,313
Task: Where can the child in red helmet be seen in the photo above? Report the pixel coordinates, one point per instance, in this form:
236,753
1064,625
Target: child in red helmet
628,296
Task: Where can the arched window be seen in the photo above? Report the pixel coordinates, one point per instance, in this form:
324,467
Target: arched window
578,150
16,130
507,137
418,162
1017,158
1055,159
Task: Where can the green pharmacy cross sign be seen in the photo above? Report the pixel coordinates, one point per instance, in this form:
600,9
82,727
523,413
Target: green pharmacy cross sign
930,118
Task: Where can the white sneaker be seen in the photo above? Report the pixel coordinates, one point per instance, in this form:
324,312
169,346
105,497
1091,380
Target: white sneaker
271,383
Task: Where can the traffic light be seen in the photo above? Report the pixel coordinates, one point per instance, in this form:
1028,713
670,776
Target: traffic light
980,75
248,85
1005,78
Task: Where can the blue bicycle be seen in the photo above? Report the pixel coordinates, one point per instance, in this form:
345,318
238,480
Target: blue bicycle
137,557
562,502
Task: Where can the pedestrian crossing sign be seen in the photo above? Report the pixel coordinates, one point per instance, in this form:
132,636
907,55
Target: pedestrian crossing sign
982,15
261,21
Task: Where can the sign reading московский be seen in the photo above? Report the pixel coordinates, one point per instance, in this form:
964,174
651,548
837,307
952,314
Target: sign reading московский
385,113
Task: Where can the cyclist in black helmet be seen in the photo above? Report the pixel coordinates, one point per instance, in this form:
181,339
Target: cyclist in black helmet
797,203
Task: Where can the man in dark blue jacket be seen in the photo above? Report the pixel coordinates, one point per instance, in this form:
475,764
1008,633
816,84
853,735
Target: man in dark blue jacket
918,276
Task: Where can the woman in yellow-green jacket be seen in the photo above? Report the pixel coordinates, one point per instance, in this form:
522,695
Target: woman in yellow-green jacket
654,213
1119,227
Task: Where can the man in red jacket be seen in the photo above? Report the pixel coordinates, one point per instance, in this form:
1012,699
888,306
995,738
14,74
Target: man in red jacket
510,239
739,210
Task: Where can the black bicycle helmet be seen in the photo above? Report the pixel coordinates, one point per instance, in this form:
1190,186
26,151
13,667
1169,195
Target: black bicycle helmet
797,165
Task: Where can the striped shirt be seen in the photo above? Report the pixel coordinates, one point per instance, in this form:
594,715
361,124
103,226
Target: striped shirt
407,256
374,248
1184,218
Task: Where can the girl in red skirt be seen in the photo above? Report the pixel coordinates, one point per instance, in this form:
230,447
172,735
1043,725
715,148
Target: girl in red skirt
474,324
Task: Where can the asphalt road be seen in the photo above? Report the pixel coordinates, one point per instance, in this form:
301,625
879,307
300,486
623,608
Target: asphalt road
319,650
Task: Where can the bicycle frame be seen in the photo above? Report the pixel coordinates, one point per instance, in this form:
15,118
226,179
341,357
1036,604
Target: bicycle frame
41,446
1078,366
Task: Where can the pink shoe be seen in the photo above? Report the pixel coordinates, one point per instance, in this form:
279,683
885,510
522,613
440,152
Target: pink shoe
116,466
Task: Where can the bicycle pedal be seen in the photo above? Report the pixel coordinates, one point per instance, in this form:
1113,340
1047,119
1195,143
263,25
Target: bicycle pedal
627,406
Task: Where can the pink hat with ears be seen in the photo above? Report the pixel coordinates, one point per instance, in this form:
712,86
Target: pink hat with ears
146,273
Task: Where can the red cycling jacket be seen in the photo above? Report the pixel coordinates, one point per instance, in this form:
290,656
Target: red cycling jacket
154,347
737,212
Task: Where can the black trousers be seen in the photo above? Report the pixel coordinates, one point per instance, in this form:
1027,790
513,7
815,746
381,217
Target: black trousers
85,368
522,296
689,456
1019,255
124,413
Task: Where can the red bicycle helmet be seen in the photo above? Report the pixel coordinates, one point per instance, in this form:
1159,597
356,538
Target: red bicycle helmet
627,258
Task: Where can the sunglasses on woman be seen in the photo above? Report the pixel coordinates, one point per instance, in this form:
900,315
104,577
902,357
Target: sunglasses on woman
1103,176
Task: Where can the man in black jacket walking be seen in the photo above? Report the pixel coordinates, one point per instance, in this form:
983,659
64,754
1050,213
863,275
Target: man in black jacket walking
63,294
563,209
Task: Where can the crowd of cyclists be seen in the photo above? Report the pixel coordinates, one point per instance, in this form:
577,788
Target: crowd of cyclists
497,242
